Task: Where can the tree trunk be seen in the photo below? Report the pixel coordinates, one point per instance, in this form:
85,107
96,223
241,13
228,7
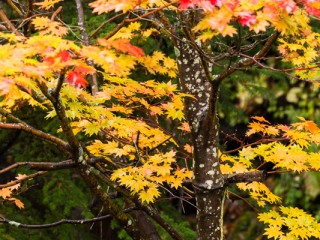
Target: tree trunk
208,181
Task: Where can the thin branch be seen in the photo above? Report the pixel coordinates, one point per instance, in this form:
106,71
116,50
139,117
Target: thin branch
56,91
14,7
151,12
55,13
284,171
27,15
44,166
146,208
95,32
128,20
248,62
8,23
61,113
9,184
42,135
62,221
158,219
245,200
256,143
285,71
115,29
9,116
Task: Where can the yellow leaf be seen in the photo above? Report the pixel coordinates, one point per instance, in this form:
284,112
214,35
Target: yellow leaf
46,26
47,4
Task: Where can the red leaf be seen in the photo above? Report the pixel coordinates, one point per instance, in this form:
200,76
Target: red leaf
206,5
247,19
48,60
64,55
312,7
76,79
184,4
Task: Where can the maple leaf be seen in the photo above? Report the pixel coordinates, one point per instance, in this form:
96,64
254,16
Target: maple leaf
184,4
64,56
17,202
5,192
188,148
313,11
260,119
274,232
47,26
247,18
185,127
47,4
206,5
77,79
122,45
145,197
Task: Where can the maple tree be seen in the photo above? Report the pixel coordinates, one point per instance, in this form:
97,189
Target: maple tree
112,127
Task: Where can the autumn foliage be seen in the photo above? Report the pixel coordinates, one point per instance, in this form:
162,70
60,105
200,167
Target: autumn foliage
113,122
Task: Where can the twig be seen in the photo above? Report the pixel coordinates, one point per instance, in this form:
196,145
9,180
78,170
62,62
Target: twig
8,23
55,13
42,135
248,62
9,184
95,32
14,7
62,221
256,143
128,20
245,200
46,166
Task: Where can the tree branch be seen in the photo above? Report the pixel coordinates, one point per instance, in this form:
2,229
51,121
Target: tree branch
85,39
8,23
62,221
246,62
9,184
35,132
146,208
95,32
65,123
14,7
258,176
44,166
59,84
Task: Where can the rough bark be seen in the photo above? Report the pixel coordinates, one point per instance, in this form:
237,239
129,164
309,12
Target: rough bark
208,181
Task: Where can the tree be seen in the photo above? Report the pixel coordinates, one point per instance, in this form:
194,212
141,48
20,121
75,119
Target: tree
113,129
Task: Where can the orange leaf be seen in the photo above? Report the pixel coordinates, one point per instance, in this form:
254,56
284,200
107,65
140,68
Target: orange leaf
260,119
122,45
5,192
17,202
